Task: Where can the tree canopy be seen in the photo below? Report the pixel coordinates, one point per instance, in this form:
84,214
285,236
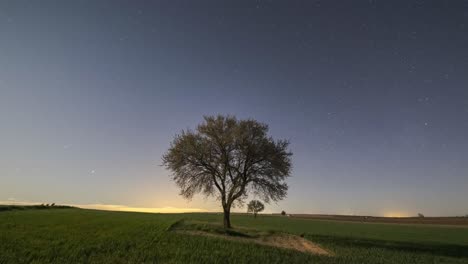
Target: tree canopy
229,159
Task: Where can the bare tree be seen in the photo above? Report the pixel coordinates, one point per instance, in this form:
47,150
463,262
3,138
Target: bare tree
255,206
229,158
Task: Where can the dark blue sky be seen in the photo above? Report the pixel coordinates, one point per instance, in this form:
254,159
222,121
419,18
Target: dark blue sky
372,94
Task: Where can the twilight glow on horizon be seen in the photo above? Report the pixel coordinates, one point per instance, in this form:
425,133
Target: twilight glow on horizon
373,96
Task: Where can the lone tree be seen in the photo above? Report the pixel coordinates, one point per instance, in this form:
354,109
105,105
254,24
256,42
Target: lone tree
283,213
254,207
229,158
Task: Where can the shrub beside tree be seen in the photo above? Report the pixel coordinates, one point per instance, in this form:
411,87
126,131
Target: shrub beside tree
255,207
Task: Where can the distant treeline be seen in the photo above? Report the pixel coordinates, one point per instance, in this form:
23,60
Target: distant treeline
31,207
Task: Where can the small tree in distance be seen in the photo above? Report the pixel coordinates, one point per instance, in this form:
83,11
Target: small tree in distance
283,213
255,207
420,215
229,158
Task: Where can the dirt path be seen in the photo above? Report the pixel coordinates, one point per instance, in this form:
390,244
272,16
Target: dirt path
296,243
286,241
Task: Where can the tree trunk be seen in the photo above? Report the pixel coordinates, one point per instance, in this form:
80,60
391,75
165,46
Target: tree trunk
255,215
227,218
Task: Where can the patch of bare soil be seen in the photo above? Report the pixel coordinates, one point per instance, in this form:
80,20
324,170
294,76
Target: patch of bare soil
276,240
295,243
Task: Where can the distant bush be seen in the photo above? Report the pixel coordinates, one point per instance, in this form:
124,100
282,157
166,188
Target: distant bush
283,213
420,215
30,207
6,207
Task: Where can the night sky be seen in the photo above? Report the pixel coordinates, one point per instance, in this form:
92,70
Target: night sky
373,96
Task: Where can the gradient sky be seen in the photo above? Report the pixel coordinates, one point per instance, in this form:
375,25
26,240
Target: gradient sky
373,96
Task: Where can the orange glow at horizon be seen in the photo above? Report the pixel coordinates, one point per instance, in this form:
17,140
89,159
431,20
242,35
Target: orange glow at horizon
124,208
396,214
114,207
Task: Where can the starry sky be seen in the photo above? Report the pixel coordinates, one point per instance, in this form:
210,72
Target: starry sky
373,96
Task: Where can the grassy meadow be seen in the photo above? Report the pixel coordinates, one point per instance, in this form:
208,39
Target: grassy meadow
88,236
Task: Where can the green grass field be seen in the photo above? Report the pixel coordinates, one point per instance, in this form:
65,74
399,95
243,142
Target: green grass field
87,236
